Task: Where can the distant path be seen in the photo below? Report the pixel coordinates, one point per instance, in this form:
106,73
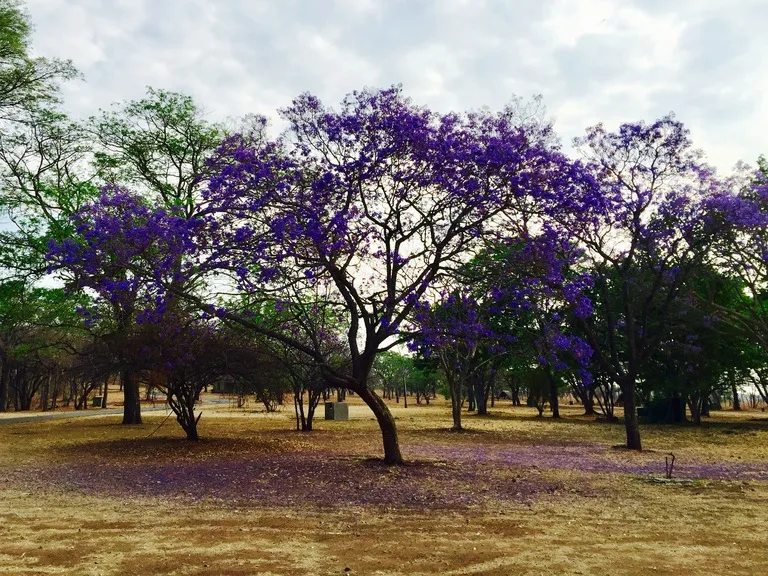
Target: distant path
36,416
32,417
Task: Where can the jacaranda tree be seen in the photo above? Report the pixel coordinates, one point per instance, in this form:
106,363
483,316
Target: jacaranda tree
124,253
377,202
515,295
644,222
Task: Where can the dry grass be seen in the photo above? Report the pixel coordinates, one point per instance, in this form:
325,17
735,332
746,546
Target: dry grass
514,495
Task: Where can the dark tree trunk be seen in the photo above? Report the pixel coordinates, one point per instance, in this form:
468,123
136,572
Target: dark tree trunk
734,392
704,403
695,404
481,396
554,397
456,404
631,423
5,374
298,407
588,401
181,396
106,393
386,424
516,394
471,403
192,432
585,395
190,423
313,399
131,403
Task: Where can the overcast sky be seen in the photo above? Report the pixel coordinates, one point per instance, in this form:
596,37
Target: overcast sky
592,60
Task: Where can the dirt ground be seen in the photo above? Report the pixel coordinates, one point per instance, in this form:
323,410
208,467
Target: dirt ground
513,495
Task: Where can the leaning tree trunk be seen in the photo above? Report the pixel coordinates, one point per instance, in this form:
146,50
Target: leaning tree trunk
131,404
630,414
386,424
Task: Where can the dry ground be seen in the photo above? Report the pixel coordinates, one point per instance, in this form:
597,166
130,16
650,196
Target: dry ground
514,495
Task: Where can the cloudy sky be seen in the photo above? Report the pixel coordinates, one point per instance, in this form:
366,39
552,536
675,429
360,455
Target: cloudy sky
592,60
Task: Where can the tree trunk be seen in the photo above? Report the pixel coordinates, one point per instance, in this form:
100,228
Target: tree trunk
386,424
131,403
106,392
312,402
298,398
588,401
481,396
630,415
694,403
554,397
191,426
5,374
735,392
455,388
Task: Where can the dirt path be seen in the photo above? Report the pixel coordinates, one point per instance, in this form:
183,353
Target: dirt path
32,417
15,417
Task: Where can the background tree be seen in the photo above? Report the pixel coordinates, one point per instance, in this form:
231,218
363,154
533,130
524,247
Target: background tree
741,254
26,83
159,146
116,238
644,227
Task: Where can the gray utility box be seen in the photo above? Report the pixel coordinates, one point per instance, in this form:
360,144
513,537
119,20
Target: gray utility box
336,411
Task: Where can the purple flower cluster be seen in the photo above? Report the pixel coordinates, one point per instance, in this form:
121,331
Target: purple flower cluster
127,253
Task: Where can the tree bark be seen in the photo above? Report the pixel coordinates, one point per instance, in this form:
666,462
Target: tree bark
5,374
131,403
105,396
481,396
704,403
516,394
695,404
386,424
554,397
588,401
735,392
456,405
630,415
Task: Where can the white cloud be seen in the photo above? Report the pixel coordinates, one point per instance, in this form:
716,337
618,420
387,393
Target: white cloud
597,60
